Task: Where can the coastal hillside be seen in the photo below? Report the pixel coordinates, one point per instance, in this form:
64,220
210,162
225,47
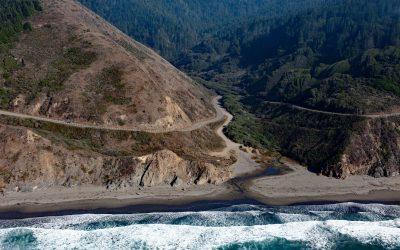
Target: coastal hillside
82,104
71,65
321,86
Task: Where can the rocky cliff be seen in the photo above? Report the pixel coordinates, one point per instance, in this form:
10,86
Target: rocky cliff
31,161
373,148
336,145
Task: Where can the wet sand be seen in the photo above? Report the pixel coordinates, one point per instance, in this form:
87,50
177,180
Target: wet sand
295,187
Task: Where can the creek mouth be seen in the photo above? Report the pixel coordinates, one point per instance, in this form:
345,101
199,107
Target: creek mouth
241,183
264,172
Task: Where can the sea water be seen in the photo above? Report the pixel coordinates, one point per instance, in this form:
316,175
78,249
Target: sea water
336,226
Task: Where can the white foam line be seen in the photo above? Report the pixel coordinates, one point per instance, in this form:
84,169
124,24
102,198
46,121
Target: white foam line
316,233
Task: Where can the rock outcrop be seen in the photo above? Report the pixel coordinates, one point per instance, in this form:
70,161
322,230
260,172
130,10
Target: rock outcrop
337,145
373,148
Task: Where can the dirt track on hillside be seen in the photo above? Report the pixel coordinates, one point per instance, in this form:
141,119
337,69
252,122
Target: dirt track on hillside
200,124
370,116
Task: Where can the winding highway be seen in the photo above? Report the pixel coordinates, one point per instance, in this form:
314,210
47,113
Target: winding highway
370,116
195,126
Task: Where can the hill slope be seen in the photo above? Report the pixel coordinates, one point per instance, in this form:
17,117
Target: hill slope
96,93
92,73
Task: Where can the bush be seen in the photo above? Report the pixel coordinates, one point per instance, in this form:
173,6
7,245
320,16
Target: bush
5,97
27,26
12,14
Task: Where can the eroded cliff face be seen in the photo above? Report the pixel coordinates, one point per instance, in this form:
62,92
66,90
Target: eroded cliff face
29,161
373,148
336,145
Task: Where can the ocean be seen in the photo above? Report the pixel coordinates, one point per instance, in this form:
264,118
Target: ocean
240,226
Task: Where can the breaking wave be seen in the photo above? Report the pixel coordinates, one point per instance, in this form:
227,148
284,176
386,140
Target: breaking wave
338,226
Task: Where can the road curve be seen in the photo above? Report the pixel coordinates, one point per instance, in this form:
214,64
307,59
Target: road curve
195,126
244,161
370,116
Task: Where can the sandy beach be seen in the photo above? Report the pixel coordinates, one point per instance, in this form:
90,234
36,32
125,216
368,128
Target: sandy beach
302,186
297,186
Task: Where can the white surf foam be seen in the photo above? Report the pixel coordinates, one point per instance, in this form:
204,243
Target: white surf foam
297,224
318,234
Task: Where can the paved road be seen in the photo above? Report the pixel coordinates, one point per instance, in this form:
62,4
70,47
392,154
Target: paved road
371,116
195,126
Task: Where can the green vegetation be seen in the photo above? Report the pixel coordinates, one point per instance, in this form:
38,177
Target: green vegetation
72,59
27,26
12,15
315,139
174,26
331,57
245,128
8,66
343,56
16,78
137,52
60,69
77,57
339,56
110,84
107,88
4,97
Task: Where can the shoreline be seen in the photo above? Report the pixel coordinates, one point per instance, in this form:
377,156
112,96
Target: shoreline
186,203
297,186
